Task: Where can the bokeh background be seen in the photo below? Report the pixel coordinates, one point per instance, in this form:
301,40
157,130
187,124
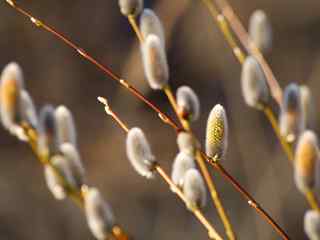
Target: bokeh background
198,57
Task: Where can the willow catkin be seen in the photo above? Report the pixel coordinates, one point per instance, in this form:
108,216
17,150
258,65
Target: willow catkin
188,103
27,109
66,130
155,62
307,105
47,131
291,120
58,176
306,157
182,163
11,86
312,224
194,189
186,143
151,24
99,214
217,133
254,86
260,30
72,156
139,153
131,7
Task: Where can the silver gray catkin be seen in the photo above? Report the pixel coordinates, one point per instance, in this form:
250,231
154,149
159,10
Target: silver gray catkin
188,103
291,119
260,31
312,224
253,82
186,143
307,104
217,133
27,109
99,214
131,7
306,158
182,163
155,62
194,189
151,24
66,131
139,153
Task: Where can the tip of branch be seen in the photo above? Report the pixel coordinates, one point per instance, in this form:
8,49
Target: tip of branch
102,100
10,2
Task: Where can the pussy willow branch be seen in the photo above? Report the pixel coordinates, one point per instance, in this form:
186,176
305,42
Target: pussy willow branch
276,91
77,196
196,211
244,38
201,162
164,117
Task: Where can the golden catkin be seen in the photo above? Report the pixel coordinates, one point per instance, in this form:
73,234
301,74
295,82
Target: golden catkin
306,157
217,133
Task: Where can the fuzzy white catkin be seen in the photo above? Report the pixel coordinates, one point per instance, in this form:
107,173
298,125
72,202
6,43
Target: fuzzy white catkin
151,24
66,130
291,120
11,86
217,133
155,62
182,163
139,152
188,103
54,174
260,30
194,189
27,109
47,133
312,224
99,214
186,143
72,156
306,157
131,7
253,82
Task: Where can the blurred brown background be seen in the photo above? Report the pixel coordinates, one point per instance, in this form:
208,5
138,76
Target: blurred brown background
198,57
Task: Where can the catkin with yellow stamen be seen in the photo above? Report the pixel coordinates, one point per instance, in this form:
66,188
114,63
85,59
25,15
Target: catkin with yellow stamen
194,189
131,7
312,224
306,157
155,62
188,103
151,24
139,153
217,133
66,131
182,163
99,214
253,82
260,30
11,86
291,120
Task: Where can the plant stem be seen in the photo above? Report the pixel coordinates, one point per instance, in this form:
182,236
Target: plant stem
312,200
164,117
133,23
250,200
